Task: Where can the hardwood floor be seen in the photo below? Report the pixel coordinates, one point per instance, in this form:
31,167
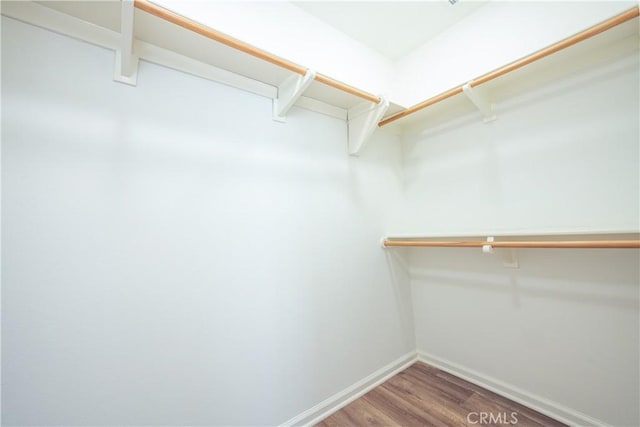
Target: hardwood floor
422,395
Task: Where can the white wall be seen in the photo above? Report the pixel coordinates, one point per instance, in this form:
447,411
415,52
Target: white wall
561,328
564,326
562,157
172,256
496,34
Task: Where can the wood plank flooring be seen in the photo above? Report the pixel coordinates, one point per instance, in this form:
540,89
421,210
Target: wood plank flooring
422,395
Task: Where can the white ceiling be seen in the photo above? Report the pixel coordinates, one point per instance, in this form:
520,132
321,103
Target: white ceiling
393,28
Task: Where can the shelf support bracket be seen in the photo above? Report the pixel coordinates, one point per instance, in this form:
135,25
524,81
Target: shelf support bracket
509,259
289,92
362,122
481,103
126,67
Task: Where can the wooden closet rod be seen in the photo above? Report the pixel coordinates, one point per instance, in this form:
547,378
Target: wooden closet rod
577,244
570,41
212,34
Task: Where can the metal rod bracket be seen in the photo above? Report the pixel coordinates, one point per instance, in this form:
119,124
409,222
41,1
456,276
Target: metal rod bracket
488,249
508,255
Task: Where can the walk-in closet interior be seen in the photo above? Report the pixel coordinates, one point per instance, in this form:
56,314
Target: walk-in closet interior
334,213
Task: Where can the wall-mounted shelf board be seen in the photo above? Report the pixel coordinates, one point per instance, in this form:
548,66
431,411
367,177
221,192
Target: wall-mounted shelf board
104,14
159,41
167,44
615,43
156,31
626,240
544,233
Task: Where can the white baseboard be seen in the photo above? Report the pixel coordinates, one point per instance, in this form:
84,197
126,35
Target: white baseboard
537,403
341,399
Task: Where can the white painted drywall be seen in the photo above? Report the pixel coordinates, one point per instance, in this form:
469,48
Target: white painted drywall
496,34
562,157
393,28
564,326
288,31
172,256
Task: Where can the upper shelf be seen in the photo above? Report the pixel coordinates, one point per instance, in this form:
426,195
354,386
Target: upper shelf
602,43
160,32
582,240
159,41
168,39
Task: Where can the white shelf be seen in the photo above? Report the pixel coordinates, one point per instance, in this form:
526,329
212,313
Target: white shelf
167,44
549,234
613,44
164,43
